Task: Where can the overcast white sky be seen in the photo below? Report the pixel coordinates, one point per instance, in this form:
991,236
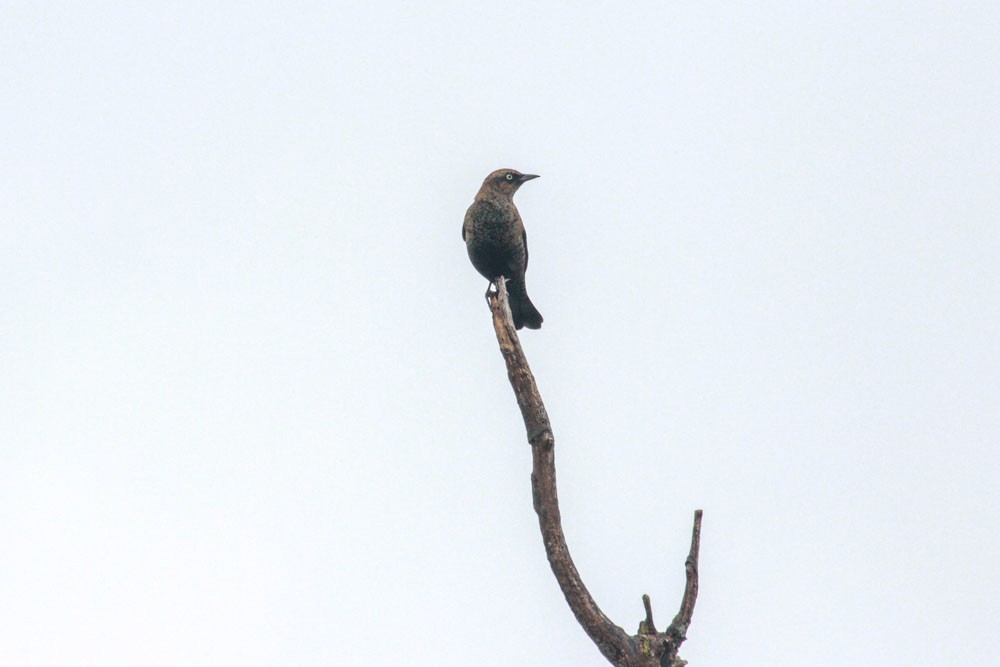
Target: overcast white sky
252,410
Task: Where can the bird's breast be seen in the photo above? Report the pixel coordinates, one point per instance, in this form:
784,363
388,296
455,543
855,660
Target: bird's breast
487,222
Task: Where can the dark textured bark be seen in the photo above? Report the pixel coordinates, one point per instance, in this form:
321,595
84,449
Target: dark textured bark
648,648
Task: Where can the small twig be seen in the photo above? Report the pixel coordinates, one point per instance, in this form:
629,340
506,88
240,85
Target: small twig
646,627
679,626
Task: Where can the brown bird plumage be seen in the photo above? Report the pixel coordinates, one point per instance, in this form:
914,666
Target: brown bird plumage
494,236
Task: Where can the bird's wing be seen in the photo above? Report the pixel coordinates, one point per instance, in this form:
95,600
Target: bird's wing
524,240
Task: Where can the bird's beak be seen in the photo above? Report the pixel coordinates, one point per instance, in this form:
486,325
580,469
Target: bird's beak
527,177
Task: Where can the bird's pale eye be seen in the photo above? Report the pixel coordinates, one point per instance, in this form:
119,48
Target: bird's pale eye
509,177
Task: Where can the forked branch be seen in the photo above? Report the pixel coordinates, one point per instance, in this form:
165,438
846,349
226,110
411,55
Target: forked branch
648,648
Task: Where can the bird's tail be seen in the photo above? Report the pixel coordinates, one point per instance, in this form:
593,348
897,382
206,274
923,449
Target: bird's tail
524,312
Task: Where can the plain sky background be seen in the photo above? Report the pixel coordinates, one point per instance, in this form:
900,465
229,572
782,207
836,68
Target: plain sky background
252,410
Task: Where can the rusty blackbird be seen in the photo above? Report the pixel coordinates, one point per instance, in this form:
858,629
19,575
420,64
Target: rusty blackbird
494,236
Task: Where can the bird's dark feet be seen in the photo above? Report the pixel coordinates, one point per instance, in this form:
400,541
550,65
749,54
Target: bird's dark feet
492,289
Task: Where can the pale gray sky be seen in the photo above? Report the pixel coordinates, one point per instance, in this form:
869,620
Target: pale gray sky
252,411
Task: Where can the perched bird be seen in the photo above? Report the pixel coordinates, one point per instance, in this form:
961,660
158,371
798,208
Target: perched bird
494,236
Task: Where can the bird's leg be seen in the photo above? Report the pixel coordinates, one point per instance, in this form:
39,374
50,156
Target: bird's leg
491,288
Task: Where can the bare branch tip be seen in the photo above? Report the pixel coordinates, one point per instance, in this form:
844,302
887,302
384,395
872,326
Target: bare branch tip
696,534
650,628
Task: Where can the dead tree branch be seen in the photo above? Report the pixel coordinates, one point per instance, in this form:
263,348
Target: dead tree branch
648,648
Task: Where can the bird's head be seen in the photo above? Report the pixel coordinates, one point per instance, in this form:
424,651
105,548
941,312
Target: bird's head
505,181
